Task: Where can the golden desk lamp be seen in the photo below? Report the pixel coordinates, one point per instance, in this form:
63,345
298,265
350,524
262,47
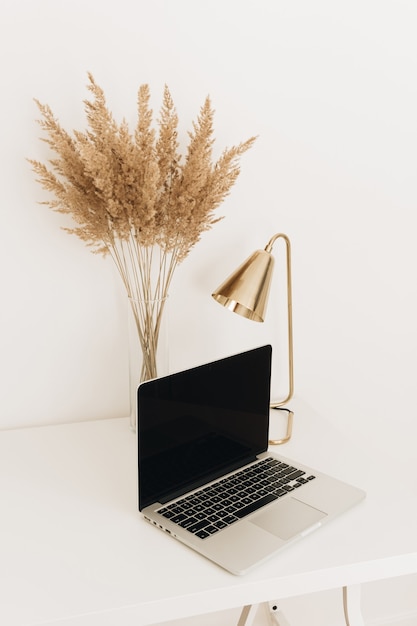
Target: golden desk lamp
246,292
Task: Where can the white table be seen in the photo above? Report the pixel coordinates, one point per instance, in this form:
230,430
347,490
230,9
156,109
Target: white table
74,550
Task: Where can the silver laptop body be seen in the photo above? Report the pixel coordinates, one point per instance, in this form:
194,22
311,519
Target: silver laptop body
206,476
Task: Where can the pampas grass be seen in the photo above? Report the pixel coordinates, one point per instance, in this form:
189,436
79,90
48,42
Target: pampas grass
133,196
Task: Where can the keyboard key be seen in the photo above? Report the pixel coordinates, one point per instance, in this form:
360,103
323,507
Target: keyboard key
220,524
246,500
189,521
194,528
265,483
177,509
209,510
255,505
295,474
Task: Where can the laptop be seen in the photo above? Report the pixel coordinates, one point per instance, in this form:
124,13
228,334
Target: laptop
206,476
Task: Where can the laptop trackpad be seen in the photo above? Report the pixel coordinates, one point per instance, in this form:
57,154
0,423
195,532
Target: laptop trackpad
288,518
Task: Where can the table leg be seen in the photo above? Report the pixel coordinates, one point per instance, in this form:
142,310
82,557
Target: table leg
248,615
273,615
352,605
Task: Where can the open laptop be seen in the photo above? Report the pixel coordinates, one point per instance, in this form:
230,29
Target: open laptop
206,476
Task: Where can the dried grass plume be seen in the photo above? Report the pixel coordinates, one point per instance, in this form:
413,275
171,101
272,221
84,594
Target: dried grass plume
117,185
132,194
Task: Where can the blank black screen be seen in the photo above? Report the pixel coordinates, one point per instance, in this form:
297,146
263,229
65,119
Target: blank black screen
195,425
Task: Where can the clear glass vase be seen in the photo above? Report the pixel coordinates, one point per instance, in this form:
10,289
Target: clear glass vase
148,345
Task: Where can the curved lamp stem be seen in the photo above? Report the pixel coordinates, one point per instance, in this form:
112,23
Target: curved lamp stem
279,405
268,248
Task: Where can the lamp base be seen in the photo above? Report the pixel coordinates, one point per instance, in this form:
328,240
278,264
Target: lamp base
278,442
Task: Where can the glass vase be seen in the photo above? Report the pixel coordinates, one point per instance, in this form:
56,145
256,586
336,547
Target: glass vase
148,345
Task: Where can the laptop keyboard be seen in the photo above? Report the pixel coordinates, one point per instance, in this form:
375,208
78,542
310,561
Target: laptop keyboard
213,508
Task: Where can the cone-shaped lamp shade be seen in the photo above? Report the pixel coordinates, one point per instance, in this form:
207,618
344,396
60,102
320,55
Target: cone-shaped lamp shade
246,291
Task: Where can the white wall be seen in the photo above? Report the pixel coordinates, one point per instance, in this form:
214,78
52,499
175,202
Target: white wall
331,90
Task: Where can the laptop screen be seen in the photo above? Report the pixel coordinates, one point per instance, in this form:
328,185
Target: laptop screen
198,424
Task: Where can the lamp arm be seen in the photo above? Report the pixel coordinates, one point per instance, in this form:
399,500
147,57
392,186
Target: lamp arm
268,248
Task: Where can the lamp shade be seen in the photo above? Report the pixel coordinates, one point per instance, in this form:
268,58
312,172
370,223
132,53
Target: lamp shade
246,291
